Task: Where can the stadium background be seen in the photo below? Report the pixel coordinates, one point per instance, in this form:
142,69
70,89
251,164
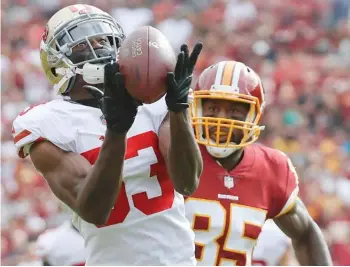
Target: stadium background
300,48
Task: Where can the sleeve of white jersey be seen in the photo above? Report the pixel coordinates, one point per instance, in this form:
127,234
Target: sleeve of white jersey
61,246
44,244
37,124
271,245
158,112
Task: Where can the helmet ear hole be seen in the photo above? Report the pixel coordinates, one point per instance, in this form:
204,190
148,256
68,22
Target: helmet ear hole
53,70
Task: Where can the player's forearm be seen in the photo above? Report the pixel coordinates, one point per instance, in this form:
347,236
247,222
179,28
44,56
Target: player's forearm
101,187
184,158
312,249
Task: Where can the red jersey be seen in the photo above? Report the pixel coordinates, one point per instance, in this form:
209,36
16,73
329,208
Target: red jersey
229,208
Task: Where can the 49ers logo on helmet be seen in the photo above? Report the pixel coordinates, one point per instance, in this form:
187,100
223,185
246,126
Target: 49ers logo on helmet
45,33
81,9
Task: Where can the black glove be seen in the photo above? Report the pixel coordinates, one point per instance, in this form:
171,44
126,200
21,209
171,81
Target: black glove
180,82
117,105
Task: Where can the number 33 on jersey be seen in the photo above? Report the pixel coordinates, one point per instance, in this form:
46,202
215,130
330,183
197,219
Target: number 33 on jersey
229,209
147,205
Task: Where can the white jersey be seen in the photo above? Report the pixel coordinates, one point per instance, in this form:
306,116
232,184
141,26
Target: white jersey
62,246
147,225
271,246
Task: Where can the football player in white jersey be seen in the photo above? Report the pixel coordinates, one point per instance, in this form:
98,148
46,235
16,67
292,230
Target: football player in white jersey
123,171
61,246
273,246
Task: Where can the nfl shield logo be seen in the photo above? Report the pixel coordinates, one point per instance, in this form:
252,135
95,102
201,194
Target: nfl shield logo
229,182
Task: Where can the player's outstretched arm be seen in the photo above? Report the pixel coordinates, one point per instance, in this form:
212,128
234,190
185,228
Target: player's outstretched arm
177,142
179,148
308,242
90,191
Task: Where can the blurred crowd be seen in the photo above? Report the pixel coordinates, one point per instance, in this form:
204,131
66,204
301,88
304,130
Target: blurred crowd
300,48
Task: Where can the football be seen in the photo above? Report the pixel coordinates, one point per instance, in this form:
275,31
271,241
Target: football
145,58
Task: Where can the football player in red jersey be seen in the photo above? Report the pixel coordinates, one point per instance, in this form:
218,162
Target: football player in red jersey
243,184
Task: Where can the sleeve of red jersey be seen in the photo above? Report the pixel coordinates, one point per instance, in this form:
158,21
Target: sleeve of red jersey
287,187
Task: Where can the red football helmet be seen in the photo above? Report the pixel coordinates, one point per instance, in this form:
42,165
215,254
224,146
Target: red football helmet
234,81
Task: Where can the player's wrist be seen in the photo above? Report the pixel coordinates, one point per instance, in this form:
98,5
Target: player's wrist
175,103
182,115
178,107
111,135
119,126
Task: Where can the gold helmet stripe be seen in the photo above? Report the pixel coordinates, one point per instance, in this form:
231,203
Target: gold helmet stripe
228,73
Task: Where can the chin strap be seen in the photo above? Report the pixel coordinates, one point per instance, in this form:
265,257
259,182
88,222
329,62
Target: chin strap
67,73
223,152
92,74
220,152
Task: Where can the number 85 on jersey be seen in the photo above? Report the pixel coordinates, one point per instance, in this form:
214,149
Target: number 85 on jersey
226,233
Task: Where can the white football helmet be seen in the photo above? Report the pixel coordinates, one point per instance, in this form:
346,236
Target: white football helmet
69,27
